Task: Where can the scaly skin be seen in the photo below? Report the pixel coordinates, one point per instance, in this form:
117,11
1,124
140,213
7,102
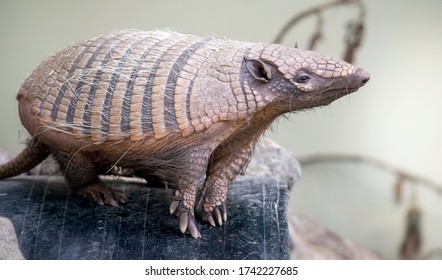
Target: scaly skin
32,155
178,109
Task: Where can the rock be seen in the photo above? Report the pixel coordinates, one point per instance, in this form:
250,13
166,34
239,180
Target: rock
272,160
9,249
55,225
311,241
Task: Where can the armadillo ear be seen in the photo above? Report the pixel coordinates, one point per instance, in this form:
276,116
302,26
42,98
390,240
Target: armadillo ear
259,69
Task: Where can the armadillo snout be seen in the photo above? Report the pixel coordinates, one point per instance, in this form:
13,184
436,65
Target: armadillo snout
364,76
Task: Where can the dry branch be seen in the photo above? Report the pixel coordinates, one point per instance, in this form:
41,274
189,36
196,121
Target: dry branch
354,32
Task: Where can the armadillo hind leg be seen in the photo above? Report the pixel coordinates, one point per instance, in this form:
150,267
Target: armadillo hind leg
81,175
227,163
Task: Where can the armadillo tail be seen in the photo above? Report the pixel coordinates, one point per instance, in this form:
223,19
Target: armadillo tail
32,155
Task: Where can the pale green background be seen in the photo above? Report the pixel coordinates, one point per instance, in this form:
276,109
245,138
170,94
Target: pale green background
395,118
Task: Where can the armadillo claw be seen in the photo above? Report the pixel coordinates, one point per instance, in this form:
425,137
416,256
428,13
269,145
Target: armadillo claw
102,194
209,218
191,228
186,219
173,206
218,214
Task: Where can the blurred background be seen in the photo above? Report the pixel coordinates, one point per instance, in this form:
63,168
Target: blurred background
396,118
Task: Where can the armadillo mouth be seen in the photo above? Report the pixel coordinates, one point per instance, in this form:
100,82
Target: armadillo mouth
338,93
331,95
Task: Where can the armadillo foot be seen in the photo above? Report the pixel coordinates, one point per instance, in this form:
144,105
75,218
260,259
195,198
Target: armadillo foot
102,194
186,218
215,214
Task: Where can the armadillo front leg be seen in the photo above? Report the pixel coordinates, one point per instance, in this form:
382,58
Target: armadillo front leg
81,175
228,162
184,196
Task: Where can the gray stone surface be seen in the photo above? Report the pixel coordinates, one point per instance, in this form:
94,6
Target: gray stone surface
53,225
9,249
271,160
311,241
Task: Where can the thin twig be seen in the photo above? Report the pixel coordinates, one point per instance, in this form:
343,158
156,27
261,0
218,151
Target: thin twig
317,36
315,159
355,29
317,9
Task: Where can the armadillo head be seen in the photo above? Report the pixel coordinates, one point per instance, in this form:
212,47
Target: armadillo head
296,79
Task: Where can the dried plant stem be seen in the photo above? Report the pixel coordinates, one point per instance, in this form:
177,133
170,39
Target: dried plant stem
355,29
315,159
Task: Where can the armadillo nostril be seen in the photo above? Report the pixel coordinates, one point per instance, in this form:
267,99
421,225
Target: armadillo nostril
365,77
364,81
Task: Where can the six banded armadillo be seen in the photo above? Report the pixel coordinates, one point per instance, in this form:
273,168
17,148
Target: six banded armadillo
181,109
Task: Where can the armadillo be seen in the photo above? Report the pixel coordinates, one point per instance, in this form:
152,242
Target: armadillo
175,108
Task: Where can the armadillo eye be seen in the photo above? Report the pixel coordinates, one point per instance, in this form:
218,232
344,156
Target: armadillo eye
302,78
